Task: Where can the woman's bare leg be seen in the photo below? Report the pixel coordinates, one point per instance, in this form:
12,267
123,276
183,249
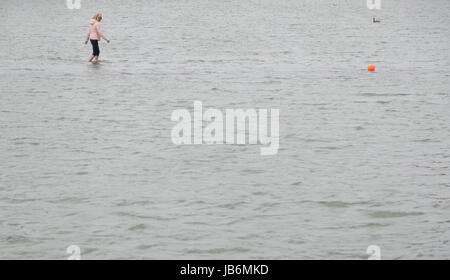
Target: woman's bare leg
91,58
96,58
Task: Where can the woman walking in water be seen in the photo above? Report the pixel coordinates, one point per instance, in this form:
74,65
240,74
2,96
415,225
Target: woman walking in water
95,34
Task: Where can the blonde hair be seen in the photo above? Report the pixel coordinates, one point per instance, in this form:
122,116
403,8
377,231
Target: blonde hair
97,16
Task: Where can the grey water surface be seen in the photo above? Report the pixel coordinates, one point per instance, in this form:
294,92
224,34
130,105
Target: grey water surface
87,159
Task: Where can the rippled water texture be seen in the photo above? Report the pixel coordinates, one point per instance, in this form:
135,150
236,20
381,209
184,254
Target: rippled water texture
87,158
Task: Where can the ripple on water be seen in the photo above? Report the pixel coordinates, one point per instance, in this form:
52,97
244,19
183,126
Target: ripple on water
370,94
18,239
144,247
340,204
73,200
138,227
131,203
370,225
232,205
393,214
157,218
217,251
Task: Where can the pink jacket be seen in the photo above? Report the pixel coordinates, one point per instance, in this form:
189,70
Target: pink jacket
95,31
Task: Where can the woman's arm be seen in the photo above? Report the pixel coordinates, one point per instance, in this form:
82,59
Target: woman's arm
100,33
87,37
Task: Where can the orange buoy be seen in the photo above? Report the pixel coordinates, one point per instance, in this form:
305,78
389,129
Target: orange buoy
371,68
